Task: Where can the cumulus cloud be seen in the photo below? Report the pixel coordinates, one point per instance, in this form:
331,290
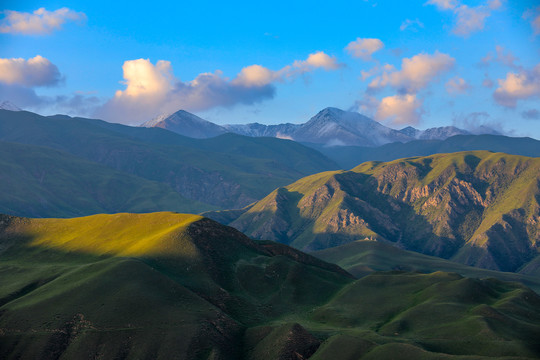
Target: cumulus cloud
416,72
399,110
364,48
467,19
255,75
522,85
411,25
317,60
40,21
533,15
36,71
457,85
152,89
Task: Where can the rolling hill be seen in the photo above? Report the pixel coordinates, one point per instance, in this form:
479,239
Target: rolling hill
227,171
38,181
477,208
177,286
363,257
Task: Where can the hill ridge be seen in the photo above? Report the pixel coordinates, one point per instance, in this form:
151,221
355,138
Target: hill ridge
460,206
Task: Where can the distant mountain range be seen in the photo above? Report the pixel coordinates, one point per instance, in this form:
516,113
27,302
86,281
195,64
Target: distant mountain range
225,172
331,127
350,156
477,208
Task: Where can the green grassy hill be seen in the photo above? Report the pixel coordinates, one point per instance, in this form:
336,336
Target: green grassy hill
38,181
227,171
176,286
363,257
477,208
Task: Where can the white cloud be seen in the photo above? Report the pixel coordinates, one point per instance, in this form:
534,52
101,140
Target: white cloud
152,89
399,110
317,60
416,72
522,85
364,48
411,24
369,73
502,57
40,21
36,71
146,80
534,16
457,85
467,19
255,75
444,4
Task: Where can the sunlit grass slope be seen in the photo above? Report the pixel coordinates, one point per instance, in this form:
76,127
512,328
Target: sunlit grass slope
160,285
159,234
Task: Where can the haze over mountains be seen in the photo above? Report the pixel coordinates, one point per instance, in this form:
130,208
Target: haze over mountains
331,127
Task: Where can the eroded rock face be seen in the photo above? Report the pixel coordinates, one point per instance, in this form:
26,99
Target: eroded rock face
477,208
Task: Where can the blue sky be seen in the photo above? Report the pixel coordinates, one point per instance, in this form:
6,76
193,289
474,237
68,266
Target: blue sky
420,63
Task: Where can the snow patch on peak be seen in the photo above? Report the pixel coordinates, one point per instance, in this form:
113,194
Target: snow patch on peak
8,105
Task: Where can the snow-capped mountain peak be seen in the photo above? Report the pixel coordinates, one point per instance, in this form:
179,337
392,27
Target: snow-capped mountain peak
187,124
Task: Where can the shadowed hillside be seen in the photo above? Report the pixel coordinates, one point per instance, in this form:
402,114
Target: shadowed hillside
38,181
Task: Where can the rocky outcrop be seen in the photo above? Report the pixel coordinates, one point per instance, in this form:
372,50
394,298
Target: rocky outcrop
478,208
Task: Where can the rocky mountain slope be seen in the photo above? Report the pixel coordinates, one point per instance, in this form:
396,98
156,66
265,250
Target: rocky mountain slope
187,124
477,208
177,286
